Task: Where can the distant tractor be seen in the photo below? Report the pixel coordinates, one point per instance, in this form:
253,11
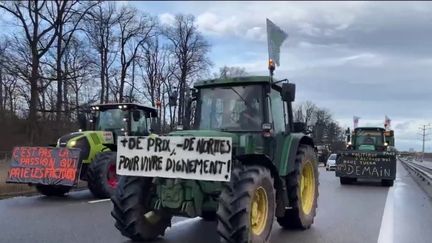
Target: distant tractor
243,163
368,156
98,145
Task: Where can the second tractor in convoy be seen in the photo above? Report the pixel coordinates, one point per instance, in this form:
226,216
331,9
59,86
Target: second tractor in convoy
369,155
98,145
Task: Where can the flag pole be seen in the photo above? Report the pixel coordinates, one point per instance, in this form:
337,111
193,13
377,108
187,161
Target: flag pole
275,37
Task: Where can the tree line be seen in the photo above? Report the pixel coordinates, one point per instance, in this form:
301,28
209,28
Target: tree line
320,124
60,56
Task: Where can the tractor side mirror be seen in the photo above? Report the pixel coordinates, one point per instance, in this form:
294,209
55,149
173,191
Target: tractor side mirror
288,92
82,120
136,115
299,127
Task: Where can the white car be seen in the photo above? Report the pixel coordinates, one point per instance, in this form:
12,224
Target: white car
331,162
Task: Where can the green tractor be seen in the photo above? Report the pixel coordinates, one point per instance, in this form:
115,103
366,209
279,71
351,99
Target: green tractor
369,155
270,169
98,145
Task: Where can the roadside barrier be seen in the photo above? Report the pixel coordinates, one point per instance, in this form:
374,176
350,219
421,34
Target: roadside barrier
423,172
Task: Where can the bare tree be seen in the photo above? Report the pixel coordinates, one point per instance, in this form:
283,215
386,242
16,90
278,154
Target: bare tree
230,72
39,33
2,59
100,29
319,120
8,82
69,14
135,30
305,112
79,75
190,50
156,71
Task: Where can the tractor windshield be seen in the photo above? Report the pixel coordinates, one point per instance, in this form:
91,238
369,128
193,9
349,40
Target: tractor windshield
369,137
231,108
111,120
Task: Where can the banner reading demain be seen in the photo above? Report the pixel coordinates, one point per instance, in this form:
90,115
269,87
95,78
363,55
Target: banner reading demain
196,158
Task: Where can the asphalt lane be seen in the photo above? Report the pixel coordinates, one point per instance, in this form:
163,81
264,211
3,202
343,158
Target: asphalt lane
349,213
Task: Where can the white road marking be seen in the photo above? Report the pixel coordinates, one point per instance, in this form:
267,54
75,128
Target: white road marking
100,200
387,222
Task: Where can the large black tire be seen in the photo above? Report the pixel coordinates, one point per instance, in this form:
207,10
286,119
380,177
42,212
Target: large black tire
132,204
347,180
236,205
387,183
296,217
51,190
101,180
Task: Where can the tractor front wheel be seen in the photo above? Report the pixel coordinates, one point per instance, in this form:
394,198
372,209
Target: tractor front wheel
302,186
347,180
132,211
101,174
52,190
247,206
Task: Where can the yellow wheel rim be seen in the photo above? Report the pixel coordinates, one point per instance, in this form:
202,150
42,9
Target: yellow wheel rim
307,187
259,211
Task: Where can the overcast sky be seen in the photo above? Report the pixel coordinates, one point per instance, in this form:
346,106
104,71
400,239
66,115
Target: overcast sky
368,59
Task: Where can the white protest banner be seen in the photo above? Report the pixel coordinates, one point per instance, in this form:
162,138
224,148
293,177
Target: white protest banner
195,158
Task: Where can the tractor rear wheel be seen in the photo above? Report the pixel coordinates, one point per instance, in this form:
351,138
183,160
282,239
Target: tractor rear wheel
101,175
302,186
387,182
132,211
247,206
52,190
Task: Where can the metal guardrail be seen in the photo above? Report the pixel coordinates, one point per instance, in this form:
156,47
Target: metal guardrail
425,173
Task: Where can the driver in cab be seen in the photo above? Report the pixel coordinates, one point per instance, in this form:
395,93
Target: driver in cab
249,118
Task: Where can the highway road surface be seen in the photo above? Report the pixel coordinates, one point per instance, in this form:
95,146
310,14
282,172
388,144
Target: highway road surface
366,212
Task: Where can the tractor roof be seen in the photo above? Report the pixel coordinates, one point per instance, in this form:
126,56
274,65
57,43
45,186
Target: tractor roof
128,106
232,81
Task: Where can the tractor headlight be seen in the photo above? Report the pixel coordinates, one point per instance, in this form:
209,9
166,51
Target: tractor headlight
72,143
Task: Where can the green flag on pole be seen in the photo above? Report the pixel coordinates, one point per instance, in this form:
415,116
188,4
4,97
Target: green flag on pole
275,38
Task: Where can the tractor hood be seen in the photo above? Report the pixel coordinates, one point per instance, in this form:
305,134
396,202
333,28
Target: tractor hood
63,140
